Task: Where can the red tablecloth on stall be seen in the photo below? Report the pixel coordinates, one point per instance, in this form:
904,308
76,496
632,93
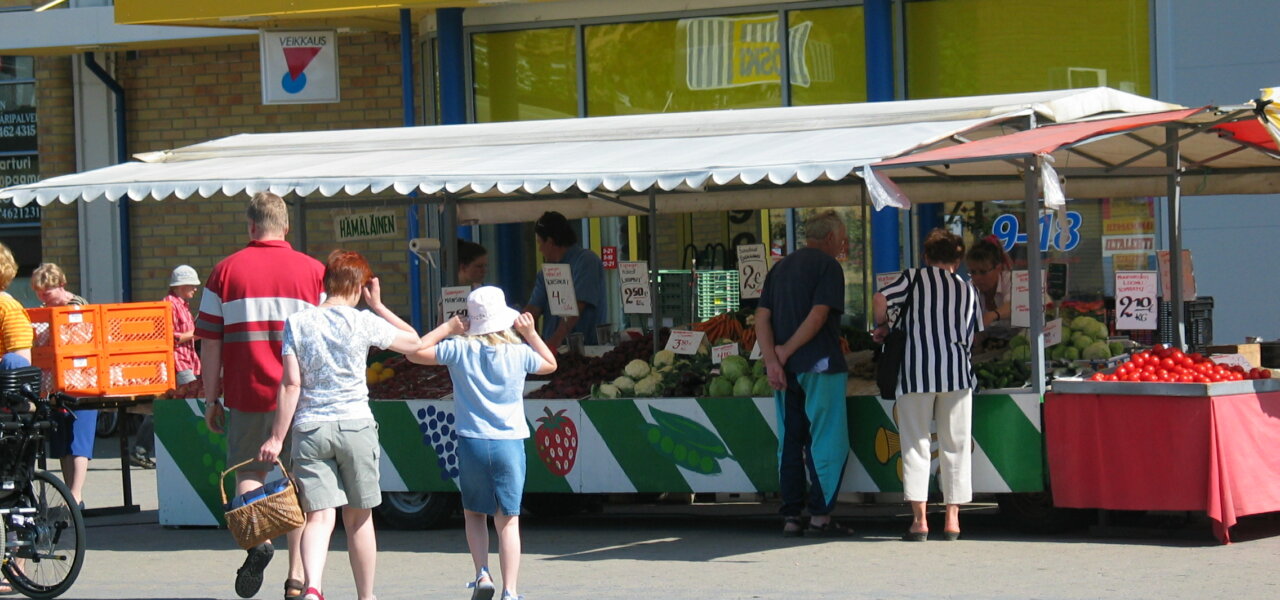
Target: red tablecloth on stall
1218,454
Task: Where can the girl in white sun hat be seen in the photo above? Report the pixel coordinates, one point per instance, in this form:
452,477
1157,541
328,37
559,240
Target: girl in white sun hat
488,363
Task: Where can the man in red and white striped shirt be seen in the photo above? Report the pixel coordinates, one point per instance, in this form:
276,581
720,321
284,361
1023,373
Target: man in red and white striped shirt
242,312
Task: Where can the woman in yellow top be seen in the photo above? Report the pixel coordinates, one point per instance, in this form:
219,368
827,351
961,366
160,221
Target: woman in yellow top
15,333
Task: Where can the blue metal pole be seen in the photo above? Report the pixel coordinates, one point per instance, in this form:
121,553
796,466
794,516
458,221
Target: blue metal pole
453,81
878,26
410,120
928,218
122,156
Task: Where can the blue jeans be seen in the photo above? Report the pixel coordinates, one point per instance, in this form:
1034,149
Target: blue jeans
814,443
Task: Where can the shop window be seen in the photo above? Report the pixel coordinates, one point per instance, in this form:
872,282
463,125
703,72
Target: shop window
524,75
828,56
19,165
967,47
699,63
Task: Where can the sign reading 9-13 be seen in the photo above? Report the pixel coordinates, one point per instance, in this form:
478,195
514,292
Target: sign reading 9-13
1062,236
299,67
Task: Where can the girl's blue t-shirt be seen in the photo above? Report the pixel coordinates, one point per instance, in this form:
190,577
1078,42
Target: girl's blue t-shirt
488,386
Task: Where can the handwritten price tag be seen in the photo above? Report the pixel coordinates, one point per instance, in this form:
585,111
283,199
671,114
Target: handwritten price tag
453,300
560,294
1053,333
884,279
1231,360
634,279
1136,299
751,270
756,352
718,353
685,342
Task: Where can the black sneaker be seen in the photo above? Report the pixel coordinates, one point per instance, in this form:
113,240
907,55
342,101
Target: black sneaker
249,575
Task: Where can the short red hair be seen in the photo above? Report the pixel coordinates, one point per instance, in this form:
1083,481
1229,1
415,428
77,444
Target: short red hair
345,273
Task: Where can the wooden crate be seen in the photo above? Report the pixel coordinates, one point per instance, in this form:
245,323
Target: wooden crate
1251,352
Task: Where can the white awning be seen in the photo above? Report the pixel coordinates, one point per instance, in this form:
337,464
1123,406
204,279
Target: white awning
713,153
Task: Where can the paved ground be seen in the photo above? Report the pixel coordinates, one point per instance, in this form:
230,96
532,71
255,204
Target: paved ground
710,551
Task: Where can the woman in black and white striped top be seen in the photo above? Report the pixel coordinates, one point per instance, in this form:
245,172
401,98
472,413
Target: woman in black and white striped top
937,379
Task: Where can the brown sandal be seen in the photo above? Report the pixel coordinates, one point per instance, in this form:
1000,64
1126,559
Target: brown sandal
293,585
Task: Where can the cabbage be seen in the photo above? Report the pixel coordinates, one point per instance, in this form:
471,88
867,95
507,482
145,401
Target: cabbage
1071,353
734,367
1097,351
1018,340
606,391
646,387
1099,331
758,368
1083,323
743,386
664,357
1020,353
762,387
625,385
1081,341
720,387
636,369
1117,348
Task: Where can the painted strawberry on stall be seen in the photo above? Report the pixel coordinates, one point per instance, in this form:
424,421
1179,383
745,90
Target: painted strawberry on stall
557,441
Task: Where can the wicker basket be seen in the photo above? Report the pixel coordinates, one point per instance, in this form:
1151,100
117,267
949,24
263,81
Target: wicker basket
270,517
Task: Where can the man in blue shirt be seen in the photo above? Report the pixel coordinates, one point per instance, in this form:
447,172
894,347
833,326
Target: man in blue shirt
798,326
558,243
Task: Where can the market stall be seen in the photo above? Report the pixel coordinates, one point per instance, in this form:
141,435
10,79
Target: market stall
792,157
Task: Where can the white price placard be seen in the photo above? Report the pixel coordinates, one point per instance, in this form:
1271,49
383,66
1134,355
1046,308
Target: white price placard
1053,333
1020,299
884,279
685,342
1232,360
1136,299
756,352
633,276
751,270
718,353
453,301
560,295
1188,276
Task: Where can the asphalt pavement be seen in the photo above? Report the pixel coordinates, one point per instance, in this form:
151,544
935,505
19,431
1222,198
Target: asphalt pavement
699,551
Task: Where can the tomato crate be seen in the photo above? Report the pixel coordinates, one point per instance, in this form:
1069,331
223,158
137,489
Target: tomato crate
75,375
66,330
137,327
137,373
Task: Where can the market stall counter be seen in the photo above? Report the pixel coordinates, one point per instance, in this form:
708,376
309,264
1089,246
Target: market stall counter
1157,446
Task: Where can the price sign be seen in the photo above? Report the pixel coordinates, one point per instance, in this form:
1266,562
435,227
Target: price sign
634,278
718,353
1232,360
1021,298
685,342
1136,300
884,279
751,270
560,295
1053,333
453,300
756,352
1188,276
609,257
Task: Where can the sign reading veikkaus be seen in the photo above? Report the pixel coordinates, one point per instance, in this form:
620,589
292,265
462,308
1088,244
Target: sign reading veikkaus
364,226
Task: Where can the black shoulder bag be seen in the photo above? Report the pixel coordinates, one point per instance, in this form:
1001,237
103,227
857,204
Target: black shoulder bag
894,349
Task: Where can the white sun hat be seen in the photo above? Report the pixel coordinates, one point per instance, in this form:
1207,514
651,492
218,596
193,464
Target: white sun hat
183,275
488,311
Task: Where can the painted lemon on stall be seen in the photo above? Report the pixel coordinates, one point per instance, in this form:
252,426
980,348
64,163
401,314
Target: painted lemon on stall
685,442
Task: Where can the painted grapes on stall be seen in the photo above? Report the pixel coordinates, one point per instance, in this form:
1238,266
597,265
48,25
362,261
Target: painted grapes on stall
437,427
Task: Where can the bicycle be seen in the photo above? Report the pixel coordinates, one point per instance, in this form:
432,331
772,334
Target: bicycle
40,523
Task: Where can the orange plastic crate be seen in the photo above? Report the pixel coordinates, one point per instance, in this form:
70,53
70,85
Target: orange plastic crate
137,373
75,375
66,330
137,327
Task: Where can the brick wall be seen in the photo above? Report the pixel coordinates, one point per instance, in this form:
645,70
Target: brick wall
54,115
182,96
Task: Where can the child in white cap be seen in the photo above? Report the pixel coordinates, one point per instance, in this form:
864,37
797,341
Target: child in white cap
488,363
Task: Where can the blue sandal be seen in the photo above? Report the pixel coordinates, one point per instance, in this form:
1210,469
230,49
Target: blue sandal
482,588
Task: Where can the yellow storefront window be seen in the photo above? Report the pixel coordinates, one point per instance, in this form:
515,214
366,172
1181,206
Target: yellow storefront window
828,52
525,75
700,63
971,47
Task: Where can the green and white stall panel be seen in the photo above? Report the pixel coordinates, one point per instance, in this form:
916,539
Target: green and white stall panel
617,446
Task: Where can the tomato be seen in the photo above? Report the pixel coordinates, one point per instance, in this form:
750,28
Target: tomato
1097,377
1196,356
1177,355
1168,363
1265,374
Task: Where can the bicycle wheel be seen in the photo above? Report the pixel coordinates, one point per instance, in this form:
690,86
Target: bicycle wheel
47,546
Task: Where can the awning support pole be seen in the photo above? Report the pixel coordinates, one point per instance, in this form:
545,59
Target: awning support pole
122,156
410,119
1035,298
1173,161
653,268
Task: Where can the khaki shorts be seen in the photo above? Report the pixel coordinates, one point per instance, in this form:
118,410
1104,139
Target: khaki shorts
336,464
246,431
